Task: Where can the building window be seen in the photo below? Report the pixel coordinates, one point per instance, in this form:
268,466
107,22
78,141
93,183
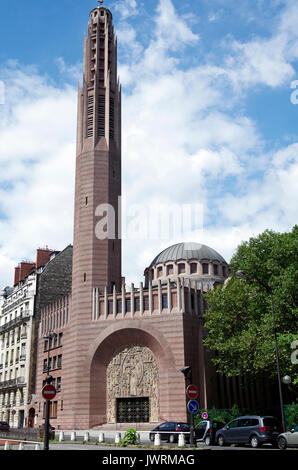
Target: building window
110,307
119,306
59,361
53,409
159,271
224,271
215,270
181,268
170,269
193,268
205,267
137,304
146,303
164,300
127,305
58,384
60,339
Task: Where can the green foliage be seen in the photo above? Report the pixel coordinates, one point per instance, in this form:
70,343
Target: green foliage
239,319
291,415
129,438
224,415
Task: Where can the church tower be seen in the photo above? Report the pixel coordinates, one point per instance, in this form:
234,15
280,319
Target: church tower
97,244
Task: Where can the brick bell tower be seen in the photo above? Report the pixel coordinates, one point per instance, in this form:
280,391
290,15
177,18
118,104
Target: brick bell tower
97,260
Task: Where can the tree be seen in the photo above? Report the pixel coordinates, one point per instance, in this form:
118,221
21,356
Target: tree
239,316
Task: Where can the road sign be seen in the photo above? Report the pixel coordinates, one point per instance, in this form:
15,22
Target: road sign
193,406
204,415
48,392
192,392
13,412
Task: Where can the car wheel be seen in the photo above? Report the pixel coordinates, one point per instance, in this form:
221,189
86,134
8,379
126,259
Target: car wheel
254,442
282,443
221,441
208,441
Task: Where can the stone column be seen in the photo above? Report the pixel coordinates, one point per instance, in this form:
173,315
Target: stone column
159,297
114,301
106,303
150,298
169,296
141,299
132,300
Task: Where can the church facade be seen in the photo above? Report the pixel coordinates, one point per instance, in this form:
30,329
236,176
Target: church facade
115,353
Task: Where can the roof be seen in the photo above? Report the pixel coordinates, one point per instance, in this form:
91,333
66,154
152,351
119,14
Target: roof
187,251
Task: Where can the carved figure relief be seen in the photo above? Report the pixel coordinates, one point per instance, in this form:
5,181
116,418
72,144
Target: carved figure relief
132,372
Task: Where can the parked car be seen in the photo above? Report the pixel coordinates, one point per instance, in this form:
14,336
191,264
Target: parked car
253,430
4,426
288,439
169,431
206,430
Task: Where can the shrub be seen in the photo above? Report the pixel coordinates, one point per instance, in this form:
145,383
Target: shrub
129,438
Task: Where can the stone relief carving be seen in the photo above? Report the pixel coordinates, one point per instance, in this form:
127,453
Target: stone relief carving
132,372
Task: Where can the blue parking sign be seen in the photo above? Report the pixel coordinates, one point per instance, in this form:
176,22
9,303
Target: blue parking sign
193,406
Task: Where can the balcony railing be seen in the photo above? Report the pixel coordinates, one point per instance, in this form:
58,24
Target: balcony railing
12,323
12,383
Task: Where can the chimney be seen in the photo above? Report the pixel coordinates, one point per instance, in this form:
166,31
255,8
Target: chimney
42,256
25,269
16,276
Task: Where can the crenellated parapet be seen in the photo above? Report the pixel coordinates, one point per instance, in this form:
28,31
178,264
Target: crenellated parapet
179,296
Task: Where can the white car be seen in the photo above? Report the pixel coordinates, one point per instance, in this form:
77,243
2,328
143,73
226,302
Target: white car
288,439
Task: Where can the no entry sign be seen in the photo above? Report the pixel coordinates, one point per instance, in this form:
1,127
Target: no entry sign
192,392
48,392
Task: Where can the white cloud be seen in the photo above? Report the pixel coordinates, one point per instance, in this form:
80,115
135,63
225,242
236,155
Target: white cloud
126,8
37,156
185,139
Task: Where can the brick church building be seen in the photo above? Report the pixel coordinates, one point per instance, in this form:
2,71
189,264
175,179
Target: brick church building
117,353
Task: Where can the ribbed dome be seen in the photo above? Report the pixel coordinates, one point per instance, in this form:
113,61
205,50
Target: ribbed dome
187,251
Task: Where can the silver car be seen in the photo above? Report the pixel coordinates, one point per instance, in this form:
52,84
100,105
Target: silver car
288,439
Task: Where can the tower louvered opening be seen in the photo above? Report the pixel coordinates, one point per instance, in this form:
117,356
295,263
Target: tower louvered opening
101,115
112,119
90,117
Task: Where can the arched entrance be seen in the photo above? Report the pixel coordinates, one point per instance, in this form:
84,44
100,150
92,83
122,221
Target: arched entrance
155,364
132,386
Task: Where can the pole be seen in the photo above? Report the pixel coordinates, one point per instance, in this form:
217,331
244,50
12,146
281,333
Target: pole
49,379
192,427
283,421
47,426
188,381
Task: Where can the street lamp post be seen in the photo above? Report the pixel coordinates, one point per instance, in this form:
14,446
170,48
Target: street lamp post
48,381
241,275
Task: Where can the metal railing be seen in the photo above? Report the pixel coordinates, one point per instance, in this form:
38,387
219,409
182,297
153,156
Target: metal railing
25,316
12,382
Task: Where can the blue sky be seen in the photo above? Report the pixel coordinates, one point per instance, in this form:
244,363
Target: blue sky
207,120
